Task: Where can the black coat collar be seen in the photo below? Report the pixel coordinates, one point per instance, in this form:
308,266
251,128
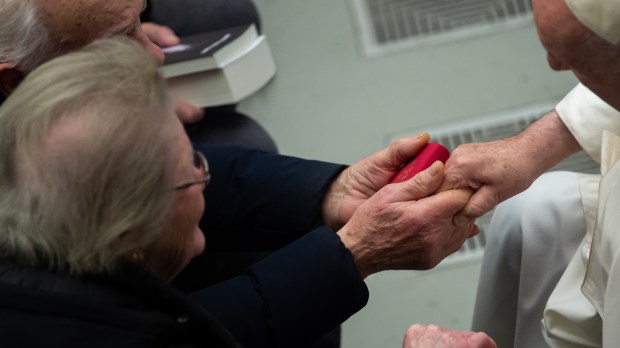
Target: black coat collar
131,298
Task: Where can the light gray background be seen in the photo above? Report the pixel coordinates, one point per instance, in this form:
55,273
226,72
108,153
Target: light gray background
330,102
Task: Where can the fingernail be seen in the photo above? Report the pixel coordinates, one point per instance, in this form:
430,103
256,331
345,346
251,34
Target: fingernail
433,169
171,37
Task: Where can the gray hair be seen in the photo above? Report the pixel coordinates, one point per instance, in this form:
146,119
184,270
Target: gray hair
24,39
85,160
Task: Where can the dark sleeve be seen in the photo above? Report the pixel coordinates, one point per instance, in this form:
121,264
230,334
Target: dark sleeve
261,201
292,297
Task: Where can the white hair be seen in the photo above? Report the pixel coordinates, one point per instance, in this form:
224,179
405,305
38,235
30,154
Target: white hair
24,39
85,160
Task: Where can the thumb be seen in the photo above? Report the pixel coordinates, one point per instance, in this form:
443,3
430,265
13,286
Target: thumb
187,112
422,184
405,149
481,340
480,203
450,180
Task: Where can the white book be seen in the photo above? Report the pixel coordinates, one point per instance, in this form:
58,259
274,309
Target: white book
234,64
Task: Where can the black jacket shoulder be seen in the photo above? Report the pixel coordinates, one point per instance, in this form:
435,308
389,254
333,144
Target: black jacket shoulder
130,309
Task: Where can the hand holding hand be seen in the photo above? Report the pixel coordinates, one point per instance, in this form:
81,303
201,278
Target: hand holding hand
500,169
433,336
362,179
493,170
402,227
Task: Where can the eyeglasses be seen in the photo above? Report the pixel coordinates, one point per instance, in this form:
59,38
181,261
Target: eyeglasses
200,162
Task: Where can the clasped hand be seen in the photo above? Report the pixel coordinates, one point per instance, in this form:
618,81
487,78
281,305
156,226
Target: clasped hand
500,169
396,226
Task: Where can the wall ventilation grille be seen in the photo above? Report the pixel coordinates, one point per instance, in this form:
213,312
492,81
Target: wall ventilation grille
489,129
386,24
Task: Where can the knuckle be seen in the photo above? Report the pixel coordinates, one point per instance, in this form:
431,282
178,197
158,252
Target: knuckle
419,182
398,142
434,327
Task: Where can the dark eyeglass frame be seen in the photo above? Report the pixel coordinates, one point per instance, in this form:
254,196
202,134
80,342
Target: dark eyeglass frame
200,161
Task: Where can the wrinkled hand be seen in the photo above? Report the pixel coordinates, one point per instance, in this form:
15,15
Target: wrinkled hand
433,336
362,179
402,227
161,35
188,113
491,169
500,169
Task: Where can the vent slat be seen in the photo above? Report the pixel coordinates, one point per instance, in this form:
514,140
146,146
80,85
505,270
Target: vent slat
398,15
393,22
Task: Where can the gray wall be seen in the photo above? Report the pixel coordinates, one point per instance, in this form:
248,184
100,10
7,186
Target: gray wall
330,102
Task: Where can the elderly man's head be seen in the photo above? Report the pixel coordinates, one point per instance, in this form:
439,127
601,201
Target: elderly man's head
90,155
583,36
35,31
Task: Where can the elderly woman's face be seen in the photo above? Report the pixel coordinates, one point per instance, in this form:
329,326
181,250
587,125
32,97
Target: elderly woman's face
188,201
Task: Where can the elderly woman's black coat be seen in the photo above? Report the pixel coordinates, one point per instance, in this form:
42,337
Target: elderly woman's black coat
256,201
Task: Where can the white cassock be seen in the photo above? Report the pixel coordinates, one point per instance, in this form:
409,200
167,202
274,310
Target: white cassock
584,308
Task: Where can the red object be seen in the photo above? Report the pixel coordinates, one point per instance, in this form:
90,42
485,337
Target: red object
430,153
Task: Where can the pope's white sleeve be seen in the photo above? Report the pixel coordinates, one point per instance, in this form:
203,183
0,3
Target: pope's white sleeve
587,116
